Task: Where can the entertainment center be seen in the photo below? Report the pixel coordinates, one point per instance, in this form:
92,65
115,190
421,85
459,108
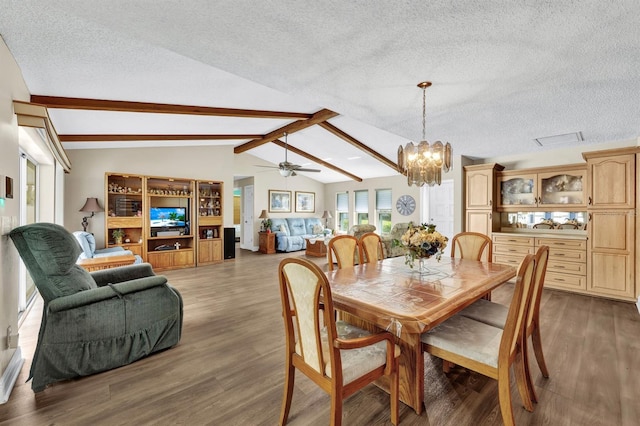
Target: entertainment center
170,222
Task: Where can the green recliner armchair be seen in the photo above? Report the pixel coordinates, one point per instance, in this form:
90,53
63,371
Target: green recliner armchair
97,321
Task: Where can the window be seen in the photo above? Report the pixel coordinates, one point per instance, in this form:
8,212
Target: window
383,210
342,211
362,207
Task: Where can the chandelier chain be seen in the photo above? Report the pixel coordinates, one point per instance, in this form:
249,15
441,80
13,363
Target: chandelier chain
424,113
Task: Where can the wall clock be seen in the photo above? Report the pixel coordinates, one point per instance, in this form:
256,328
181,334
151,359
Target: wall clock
406,205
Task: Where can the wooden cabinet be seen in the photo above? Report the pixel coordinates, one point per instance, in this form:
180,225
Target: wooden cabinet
611,181
510,249
543,188
611,251
209,251
169,222
170,241
612,222
267,242
480,186
567,265
124,199
171,259
480,192
209,219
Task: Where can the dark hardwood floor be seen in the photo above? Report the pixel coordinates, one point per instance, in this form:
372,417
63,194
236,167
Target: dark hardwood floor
229,367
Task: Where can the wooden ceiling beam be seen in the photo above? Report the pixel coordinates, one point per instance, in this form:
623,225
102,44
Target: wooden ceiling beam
317,118
58,102
316,160
353,141
147,137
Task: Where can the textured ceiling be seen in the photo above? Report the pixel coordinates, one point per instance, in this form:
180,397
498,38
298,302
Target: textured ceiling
503,73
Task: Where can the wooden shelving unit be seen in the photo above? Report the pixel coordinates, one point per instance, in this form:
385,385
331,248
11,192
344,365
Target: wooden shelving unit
125,206
209,210
170,242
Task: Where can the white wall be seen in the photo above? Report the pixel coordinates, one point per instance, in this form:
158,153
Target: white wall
12,87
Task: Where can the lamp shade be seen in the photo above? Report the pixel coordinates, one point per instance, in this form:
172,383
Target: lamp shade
326,215
263,215
91,206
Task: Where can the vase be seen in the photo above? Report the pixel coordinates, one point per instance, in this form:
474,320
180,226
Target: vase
424,271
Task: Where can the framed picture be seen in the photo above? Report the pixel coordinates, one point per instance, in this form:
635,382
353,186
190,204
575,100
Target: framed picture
305,202
279,201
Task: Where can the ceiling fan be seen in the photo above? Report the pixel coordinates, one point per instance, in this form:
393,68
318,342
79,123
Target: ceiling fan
286,168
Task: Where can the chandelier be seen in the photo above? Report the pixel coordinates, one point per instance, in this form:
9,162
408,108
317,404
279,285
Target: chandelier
424,163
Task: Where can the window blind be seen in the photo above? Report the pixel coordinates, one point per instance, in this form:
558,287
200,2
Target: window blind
342,202
383,199
362,201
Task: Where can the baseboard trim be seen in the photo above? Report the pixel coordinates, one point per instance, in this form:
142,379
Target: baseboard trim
10,375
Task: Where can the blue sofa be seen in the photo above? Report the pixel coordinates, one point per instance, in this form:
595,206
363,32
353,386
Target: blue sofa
291,232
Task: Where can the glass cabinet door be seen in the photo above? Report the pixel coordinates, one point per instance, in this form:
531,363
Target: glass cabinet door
562,189
518,190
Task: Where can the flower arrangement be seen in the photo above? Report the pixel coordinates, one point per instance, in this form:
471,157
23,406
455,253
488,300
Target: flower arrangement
421,242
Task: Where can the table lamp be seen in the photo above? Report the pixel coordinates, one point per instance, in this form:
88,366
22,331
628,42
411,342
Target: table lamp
326,216
90,206
264,216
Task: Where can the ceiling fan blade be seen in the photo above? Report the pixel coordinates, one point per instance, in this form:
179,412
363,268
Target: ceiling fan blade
307,170
269,167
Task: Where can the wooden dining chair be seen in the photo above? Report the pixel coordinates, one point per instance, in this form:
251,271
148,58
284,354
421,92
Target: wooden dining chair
344,248
495,315
337,356
370,248
471,245
489,350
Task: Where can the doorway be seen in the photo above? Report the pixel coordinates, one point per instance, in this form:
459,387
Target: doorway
247,218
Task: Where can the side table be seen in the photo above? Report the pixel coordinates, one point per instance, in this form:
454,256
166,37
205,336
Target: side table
316,247
267,241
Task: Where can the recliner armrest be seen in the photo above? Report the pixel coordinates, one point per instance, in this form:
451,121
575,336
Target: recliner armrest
121,274
106,292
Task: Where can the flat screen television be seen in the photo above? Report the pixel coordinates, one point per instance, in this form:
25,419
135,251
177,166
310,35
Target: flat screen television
168,217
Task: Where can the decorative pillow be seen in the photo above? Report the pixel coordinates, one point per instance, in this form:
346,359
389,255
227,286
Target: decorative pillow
282,228
318,229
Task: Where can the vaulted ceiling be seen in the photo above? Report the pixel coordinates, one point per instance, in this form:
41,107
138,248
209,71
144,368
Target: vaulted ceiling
339,76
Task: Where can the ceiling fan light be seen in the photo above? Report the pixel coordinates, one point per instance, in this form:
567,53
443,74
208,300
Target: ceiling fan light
285,172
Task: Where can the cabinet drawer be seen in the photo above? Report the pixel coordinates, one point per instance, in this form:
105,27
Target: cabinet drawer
513,249
507,259
573,268
562,243
567,255
565,281
513,239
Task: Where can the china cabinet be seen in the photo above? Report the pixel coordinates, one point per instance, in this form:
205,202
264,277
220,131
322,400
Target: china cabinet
557,187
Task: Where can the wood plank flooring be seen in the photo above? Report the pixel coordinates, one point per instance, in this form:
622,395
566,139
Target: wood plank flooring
229,367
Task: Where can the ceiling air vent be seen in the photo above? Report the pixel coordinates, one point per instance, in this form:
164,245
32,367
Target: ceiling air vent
560,140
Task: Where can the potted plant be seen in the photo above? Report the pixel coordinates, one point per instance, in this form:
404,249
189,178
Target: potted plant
117,235
266,225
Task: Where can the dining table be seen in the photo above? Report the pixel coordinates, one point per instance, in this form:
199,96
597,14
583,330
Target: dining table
390,295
